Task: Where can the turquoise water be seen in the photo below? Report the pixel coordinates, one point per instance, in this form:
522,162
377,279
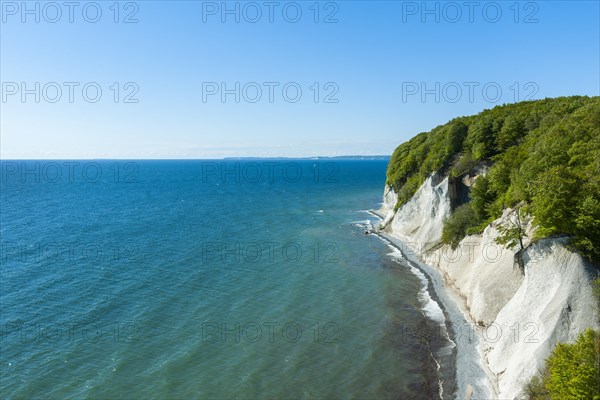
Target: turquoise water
203,279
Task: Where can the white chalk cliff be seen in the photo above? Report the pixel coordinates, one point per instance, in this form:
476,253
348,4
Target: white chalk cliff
524,316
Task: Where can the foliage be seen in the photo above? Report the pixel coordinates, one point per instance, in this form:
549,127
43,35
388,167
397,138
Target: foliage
572,371
596,292
513,233
455,227
545,153
424,154
481,198
536,389
463,164
587,223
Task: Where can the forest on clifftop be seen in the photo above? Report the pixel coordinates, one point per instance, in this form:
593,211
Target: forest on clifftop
542,156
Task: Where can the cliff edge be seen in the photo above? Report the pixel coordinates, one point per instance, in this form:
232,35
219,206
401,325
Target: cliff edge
523,310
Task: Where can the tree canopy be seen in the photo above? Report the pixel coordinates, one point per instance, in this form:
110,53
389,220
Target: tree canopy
545,153
572,371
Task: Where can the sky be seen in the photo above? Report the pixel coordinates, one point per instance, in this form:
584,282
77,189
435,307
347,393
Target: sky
196,79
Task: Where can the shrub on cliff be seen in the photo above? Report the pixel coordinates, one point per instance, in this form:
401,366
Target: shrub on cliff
455,227
572,371
536,389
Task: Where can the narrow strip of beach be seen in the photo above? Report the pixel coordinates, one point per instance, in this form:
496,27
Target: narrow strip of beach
473,379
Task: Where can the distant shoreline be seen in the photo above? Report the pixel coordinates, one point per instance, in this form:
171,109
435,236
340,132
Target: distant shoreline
308,158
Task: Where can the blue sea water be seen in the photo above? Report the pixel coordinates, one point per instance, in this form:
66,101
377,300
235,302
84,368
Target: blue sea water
204,279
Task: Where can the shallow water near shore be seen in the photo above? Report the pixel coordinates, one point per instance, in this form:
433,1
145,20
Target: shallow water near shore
207,279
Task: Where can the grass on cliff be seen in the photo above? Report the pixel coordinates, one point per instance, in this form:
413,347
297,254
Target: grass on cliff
543,153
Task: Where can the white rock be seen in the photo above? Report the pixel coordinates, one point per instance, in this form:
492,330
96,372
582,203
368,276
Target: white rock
420,220
525,315
389,204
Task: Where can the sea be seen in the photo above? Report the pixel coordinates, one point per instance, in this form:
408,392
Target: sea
207,279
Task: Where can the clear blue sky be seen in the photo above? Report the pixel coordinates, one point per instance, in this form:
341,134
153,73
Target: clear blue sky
377,53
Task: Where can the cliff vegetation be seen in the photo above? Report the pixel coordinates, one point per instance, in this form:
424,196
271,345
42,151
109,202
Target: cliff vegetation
541,156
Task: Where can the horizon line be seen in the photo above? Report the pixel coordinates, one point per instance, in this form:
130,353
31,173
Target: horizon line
357,156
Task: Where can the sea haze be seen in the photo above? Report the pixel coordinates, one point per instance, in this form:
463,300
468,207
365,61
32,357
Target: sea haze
205,279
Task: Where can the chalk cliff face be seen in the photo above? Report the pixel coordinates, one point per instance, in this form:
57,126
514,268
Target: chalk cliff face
389,203
420,220
522,316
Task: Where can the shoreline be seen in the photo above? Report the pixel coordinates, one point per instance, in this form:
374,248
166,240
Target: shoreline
468,368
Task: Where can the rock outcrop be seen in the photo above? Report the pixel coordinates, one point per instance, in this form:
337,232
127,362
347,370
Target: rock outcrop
522,314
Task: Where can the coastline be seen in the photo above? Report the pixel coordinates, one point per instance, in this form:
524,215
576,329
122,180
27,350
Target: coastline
465,366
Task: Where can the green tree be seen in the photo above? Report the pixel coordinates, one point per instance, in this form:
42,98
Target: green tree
587,225
555,200
456,135
455,226
545,153
574,370
481,138
464,163
596,292
512,234
536,389
512,130
481,197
